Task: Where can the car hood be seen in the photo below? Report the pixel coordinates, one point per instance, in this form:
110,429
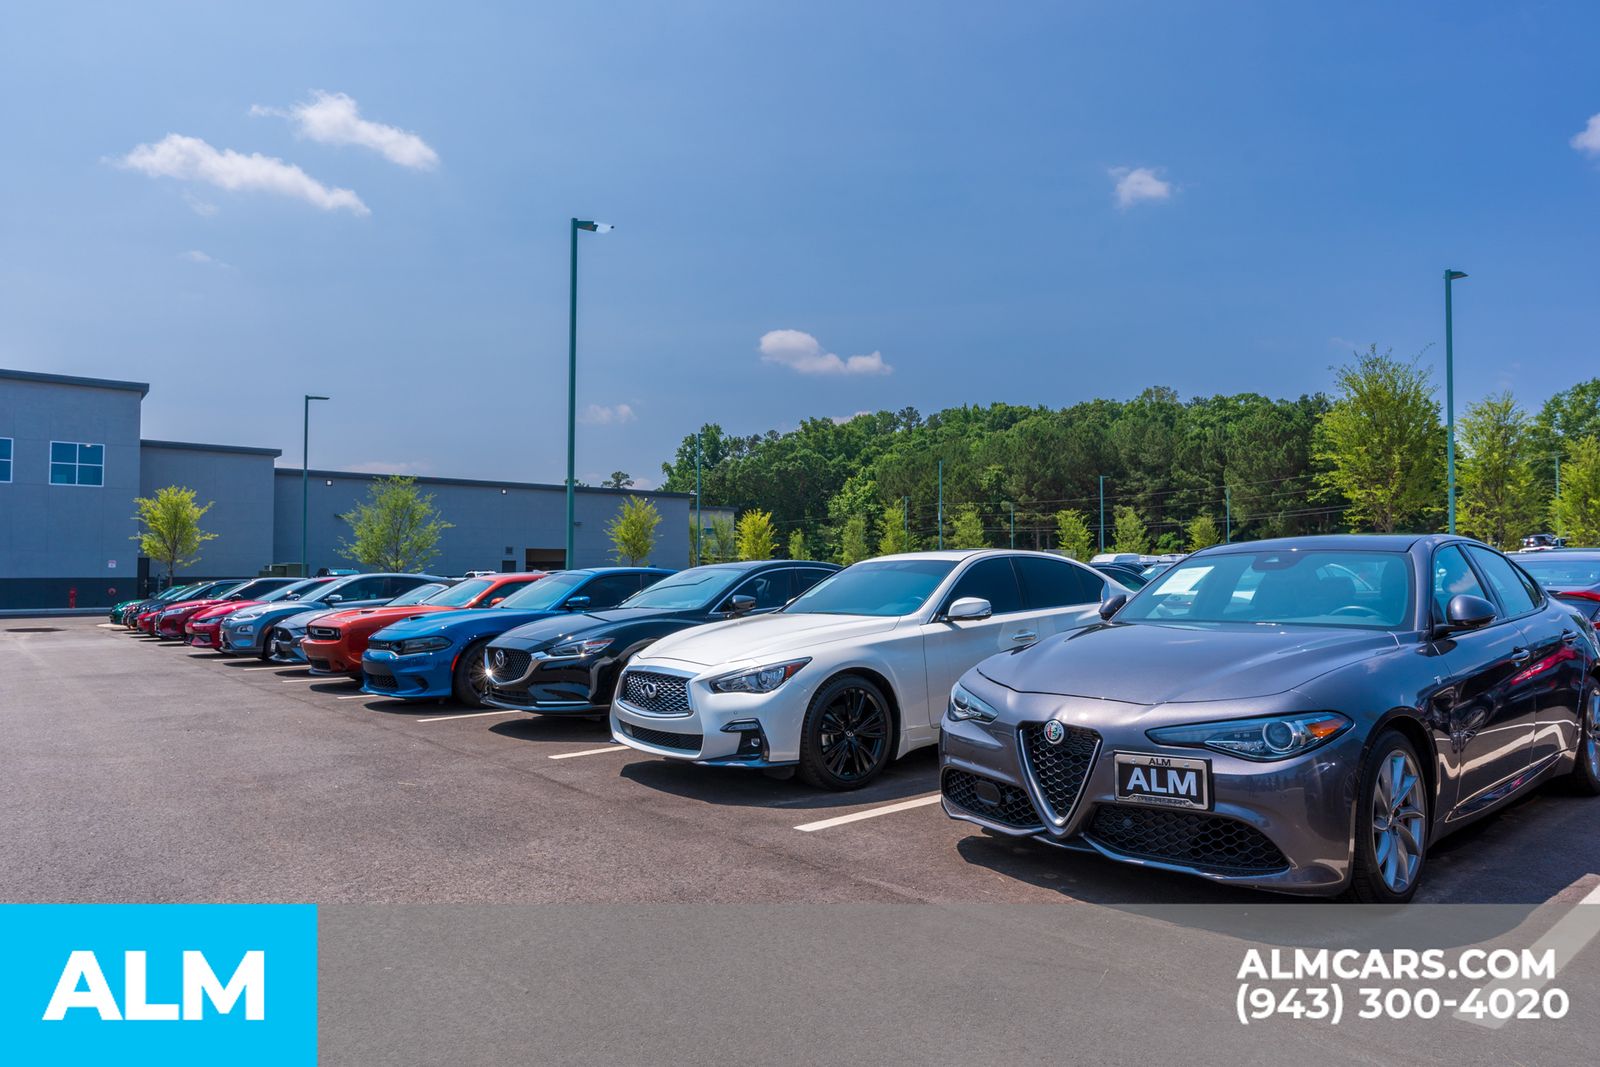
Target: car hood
474,620
765,636
380,616
1157,663
217,611
540,632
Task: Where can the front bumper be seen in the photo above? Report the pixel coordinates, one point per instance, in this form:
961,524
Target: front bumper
1283,826
286,646
418,676
231,637
203,636
718,729
569,686
330,657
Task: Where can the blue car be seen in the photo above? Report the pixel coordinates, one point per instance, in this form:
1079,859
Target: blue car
437,656
249,631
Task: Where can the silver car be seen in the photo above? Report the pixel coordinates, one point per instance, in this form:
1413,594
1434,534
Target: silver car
1306,715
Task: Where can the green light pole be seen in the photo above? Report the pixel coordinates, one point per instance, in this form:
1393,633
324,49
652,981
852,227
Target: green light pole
1227,513
1450,401
1013,507
941,505
1102,512
572,380
699,524
905,519
305,480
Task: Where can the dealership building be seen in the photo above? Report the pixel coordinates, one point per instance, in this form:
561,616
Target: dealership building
72,461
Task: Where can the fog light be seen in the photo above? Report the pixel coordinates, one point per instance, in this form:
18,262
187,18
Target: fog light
752,739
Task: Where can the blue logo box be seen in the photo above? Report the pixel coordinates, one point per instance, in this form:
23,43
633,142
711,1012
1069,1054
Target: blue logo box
159,983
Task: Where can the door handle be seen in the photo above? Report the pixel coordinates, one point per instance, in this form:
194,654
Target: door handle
1520,655
1569,637
1025,637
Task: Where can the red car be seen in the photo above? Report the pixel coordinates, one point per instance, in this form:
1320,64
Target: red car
201,629
335,642
145,622
170,622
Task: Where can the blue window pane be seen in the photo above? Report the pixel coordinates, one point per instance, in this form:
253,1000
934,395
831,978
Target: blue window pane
90,475
63,474
5,448
95,454
63,452
5,470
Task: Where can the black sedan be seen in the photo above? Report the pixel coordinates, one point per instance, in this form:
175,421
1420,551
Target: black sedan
569,664
1570,574
1323,711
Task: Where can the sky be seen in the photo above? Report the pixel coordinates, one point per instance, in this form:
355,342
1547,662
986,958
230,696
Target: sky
820,209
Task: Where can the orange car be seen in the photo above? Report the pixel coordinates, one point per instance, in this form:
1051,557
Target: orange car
334,642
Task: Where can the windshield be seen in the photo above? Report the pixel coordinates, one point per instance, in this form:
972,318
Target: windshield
878,587
293,590
1367,590
686,589
461,594
1557,570
177,592
419,594
544,594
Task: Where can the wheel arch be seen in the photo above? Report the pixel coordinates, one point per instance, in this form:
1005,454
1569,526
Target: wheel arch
879,679
1408,723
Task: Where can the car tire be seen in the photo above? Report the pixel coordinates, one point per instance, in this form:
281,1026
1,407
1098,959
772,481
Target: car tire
1585,776
265,655
1392,838
461,679
848,735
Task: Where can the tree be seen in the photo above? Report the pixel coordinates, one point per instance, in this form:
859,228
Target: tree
1129,533
1202,532
721,542
1499,498
618,480
757,538
966,528
171,532
1381,445
893,536
1072,534
1577,510
396,528
797,545
633,531
853,547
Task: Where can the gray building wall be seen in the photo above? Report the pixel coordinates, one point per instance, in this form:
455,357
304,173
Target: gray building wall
237,482
488,517
56,538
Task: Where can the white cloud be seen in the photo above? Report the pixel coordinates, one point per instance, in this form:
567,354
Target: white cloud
841,420
194,255
598,415
204,208
334,118
1587,140
1135,184
191,159
388,466
801,352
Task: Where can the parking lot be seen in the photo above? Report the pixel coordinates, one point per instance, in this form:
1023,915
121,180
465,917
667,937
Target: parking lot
145,771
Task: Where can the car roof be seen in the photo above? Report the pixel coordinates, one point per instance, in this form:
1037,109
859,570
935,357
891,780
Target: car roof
956,555
1370,542
1554,553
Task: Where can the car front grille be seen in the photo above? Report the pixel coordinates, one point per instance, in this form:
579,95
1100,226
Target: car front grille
988,799
657,693
507,664
520,697
664,738
324,633
1059,770
1188,838
381,681
318,664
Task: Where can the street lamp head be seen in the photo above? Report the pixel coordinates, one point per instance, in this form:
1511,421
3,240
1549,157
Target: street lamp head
1452,275
593,227
310,397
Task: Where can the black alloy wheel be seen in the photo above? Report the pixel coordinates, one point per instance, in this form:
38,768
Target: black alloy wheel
846,739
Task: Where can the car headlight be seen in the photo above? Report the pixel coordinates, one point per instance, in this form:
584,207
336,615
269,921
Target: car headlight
245,628
963,705
422,644
579,649
1257,739
758,679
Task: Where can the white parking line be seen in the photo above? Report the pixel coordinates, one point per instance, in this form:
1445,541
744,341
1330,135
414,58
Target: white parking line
358,696
470,715
280,667
591,752
110,626
1567,937
870,813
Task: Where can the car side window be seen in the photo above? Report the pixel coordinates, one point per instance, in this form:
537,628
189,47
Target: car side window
362,589
397,585
806,577
1452,577
1047,583
1502,575
773,589
609,590
994,580
1534,589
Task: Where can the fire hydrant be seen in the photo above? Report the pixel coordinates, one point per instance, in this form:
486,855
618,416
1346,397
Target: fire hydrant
72,598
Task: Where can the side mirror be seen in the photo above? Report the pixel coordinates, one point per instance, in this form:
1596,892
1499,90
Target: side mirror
1467,612
332,598
577,603
1112,604
969,609
495,601
739,605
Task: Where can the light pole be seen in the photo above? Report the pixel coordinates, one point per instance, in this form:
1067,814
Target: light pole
1227,515
305,480
1012,505
1450,401
699,524
1102,512
941,505
572,379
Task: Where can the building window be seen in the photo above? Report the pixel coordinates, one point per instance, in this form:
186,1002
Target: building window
77,464
6,445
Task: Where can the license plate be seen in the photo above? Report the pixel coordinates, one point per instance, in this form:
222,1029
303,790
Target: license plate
1164,781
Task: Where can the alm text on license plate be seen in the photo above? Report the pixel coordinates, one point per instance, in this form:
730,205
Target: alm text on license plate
1164,781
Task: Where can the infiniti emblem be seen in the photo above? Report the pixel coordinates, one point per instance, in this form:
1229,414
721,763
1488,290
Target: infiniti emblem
1054,732
651,690
499,658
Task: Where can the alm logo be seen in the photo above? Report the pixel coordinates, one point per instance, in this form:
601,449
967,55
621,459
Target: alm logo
83,985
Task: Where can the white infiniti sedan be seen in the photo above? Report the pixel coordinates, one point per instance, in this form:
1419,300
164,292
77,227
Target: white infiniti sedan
853,673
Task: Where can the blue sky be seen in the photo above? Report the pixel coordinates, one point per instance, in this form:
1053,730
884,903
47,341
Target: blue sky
931,187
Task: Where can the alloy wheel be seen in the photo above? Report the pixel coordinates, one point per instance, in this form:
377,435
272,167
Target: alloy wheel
1399,821
1591,741
854,731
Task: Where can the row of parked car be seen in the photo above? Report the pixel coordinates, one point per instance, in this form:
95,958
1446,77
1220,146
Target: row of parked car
1306,715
